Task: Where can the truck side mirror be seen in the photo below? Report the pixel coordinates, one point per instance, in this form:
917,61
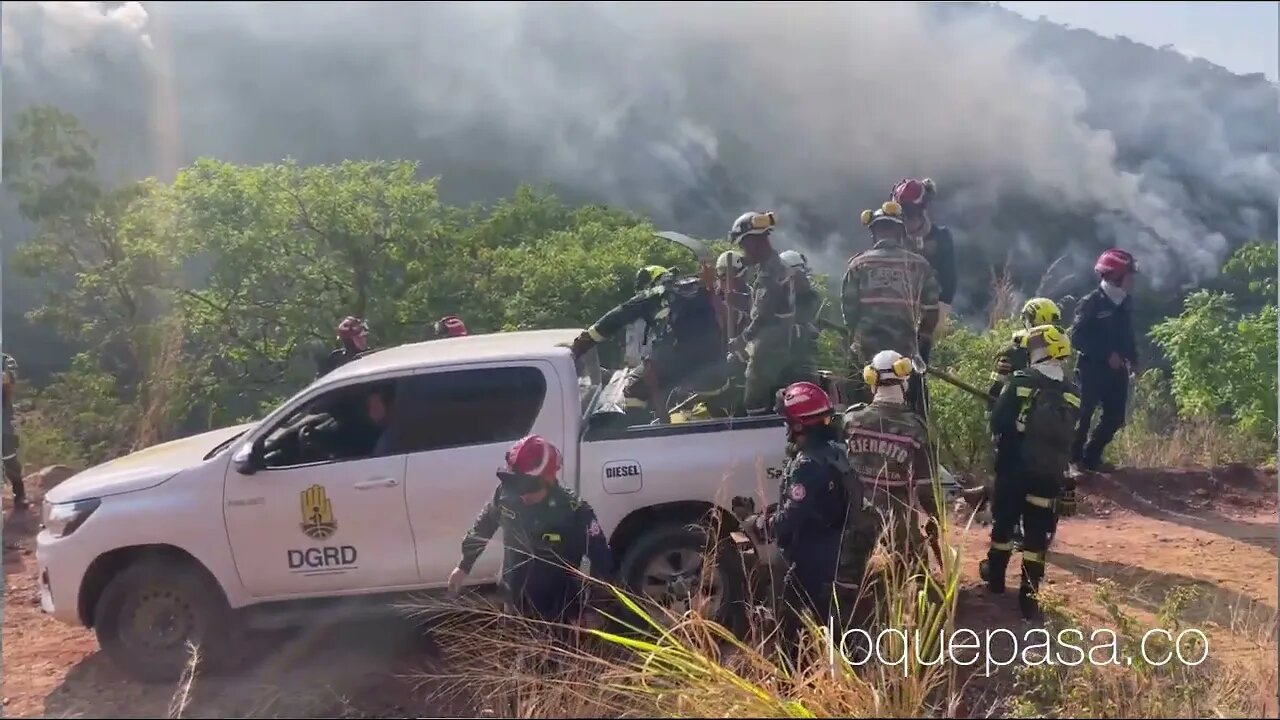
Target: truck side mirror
250,458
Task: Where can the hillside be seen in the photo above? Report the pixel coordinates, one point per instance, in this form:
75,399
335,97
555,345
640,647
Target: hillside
1039,147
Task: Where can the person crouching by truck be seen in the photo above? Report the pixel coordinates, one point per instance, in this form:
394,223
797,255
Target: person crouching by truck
546,531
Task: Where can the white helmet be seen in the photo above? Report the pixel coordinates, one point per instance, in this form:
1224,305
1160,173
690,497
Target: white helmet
888,366
794,260
730,264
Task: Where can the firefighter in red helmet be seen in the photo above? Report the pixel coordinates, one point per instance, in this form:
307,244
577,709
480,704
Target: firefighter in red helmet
450,326
353,333
546,530
1102,334
932,241
811,510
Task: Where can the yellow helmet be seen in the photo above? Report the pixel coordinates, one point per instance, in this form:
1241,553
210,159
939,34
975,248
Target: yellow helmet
1047,342
1040,311
887,365
890,212
649,276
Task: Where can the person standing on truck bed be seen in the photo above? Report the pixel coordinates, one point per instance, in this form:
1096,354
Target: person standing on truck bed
764,345
889,298
12,466
546,530
804,344
686,347
1102,332
810,516
934,242
353,333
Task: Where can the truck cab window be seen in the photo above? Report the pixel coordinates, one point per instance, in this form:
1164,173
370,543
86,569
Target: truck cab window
467,407
350,423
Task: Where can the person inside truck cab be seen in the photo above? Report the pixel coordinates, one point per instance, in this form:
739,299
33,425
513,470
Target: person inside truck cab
686,344
342,428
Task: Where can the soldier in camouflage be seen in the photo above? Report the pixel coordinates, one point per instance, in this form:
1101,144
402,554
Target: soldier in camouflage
887,444
804,345
685,347
765,344
546,530
1033,422
889,296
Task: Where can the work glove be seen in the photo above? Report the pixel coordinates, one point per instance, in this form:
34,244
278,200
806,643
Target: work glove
582,344
738,348
456,578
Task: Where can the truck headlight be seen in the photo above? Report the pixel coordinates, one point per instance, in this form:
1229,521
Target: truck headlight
62,519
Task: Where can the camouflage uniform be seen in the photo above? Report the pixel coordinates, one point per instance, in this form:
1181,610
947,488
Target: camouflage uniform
889,298
768,336
887,442
1033,421
685,346
804,345
543,542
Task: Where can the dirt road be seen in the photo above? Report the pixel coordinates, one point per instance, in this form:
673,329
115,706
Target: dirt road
1148,531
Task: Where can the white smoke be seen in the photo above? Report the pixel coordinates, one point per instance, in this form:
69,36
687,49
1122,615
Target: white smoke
693,112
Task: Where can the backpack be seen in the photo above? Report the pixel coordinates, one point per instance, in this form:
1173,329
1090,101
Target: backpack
1049,421
693,329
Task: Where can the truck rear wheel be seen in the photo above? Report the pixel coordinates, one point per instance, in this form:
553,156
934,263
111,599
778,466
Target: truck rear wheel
668,565
150,611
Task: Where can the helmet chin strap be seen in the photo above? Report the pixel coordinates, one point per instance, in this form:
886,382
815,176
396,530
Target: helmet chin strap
891,393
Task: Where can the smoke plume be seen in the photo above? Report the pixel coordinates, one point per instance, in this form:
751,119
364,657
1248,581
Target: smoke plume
693,112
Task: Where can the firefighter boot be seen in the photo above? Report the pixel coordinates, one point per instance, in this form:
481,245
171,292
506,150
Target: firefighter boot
1028,593
992,569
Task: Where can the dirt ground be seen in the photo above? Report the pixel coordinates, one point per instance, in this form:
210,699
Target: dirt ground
1148,531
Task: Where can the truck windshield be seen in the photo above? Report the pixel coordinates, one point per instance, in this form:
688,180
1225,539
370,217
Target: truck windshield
588,379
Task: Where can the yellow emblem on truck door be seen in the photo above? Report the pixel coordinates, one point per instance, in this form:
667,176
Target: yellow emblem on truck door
317,514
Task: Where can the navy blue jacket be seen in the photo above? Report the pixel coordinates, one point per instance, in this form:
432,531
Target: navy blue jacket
1101,327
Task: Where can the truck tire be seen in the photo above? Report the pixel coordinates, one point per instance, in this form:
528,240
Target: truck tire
150,610
660,562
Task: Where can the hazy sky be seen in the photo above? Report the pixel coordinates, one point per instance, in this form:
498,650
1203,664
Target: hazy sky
1240,36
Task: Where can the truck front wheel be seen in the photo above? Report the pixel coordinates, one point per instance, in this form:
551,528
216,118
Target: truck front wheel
150,611
680,568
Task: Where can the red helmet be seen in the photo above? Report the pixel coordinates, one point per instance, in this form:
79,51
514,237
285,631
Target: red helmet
804,403
911,194
534,456
1115,263
352,327
451,326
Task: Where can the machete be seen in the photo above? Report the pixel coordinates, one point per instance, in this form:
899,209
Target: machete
699,248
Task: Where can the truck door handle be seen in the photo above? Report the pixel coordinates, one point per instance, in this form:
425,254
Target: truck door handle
377,483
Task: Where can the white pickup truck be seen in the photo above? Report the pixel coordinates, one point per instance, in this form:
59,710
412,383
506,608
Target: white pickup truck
316,502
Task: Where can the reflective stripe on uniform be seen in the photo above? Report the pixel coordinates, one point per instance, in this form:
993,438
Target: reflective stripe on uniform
1072,398
1005,546
1038,501
595,334
1035,557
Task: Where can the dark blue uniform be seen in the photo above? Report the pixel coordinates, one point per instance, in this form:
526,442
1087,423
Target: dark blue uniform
542,542
809,522
1100,328
939,248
